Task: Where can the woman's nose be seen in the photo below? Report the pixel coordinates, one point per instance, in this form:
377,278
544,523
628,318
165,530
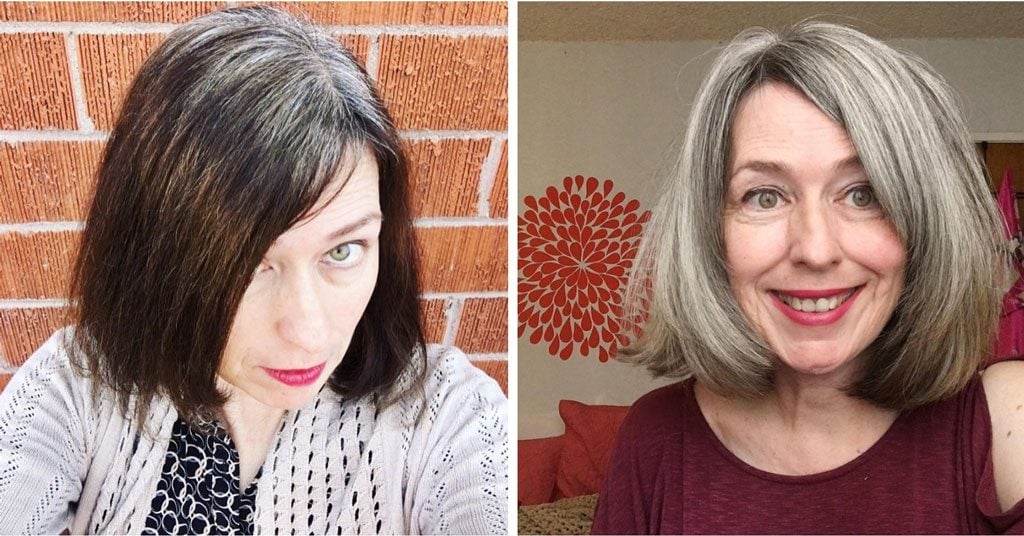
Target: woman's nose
302,318
813,237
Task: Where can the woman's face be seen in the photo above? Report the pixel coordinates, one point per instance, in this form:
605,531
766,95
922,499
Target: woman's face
812,260
298,315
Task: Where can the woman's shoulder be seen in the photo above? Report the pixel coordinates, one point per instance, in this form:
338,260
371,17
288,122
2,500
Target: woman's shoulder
448,367
452,383
665,408
439,384
656,422
1004,393
56,350
48,403
51,368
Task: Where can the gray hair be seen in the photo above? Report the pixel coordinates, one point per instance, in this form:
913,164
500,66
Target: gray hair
908,129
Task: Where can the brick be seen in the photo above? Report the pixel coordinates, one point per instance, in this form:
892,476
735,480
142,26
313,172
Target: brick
47,181
431,13
22,331
37,265
359,45
109,64
435,319
445,83
157,12
462,259
35,83
497,369
483,326
499,192
446,176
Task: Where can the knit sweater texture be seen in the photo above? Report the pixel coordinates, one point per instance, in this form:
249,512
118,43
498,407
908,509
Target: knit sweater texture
434,462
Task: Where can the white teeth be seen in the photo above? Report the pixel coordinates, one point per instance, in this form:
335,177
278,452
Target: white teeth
820,305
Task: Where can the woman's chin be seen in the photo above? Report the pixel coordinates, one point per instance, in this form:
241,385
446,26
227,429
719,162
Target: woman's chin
816,362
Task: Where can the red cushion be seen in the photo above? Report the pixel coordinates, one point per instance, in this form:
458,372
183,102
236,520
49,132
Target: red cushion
590,433
538,463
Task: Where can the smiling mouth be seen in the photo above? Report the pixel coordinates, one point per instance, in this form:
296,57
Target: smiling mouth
815,305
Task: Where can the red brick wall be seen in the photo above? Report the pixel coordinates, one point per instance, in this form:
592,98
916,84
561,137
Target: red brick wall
441,67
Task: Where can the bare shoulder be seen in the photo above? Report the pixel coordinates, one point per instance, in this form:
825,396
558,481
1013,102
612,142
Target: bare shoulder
1004,389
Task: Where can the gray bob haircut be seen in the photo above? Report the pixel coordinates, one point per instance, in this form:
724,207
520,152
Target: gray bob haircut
908,129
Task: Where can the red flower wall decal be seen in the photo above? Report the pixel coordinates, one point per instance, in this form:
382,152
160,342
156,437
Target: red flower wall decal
576,247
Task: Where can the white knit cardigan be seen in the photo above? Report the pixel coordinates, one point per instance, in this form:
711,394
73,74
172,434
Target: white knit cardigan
435,462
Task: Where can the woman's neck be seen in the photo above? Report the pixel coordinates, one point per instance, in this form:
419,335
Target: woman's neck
252,426
806,425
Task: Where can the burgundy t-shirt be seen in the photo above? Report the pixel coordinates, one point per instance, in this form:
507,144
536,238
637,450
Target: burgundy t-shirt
930,473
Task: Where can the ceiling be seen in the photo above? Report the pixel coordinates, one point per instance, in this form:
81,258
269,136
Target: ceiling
692,21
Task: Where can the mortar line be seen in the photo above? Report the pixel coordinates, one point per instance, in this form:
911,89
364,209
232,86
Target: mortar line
41,227
488,176
373,58
427,223
453,310
50,303
482,294
85,123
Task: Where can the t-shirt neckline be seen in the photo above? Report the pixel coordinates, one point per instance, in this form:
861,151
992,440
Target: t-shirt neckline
824,476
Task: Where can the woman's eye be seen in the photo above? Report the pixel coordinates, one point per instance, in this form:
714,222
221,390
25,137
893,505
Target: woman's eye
345,254
764,199
261,268
861,197
340,253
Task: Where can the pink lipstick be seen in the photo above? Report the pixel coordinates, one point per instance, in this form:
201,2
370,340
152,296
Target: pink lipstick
296,377
811,318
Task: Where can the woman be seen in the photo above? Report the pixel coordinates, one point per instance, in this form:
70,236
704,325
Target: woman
248,355
832,326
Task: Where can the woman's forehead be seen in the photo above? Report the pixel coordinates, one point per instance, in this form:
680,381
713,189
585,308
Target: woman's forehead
353,197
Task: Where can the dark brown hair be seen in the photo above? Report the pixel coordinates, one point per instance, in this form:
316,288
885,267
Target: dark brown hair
230,133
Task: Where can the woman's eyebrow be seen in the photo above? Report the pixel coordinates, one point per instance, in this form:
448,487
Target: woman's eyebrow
851,162
358,224
767,167
773,167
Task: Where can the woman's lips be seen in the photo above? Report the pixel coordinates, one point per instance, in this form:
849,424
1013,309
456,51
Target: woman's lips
296,377
821,307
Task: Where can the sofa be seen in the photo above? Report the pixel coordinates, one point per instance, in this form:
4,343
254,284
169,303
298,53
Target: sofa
560,477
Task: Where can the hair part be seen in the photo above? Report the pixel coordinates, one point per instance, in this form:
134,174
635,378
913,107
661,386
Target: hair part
230,133
908,129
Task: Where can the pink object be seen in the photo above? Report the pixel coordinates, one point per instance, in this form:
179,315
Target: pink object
808,318
573,463
296,377
1010,342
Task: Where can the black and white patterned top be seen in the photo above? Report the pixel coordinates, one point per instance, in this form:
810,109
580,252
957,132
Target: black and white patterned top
198,492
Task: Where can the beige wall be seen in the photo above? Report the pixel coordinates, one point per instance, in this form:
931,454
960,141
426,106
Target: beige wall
616,110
